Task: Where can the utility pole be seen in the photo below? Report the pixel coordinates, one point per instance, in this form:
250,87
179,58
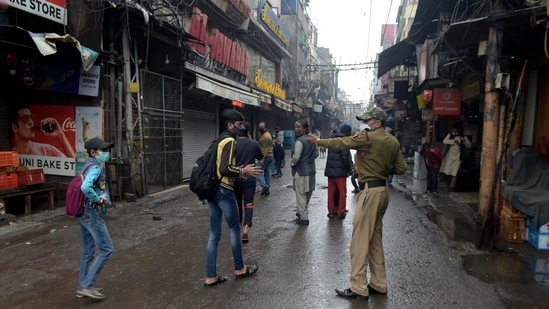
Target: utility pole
489,139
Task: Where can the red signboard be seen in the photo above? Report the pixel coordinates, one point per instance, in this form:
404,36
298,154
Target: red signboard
221,48
446,101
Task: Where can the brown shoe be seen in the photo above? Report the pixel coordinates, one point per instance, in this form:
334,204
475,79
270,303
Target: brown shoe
245,234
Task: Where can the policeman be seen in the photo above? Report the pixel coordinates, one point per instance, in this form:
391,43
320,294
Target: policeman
378,156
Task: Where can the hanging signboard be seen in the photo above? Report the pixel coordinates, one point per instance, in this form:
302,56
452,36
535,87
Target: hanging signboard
446,101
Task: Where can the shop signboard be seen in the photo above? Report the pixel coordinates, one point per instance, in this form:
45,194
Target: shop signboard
55,10
62,77
446,101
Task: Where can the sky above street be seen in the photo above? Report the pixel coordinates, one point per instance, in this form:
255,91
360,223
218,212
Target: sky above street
351,29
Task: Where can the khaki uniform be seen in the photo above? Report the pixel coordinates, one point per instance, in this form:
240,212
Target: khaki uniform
378,155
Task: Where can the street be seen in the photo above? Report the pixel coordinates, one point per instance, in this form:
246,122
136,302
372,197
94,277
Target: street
162,263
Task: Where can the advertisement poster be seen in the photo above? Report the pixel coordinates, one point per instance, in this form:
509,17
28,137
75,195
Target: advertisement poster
44,137
89,123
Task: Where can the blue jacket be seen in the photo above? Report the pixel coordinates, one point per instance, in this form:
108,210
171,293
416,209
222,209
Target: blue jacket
94,185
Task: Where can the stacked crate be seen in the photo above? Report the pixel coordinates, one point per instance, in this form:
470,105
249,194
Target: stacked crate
512,223
9,160
30,177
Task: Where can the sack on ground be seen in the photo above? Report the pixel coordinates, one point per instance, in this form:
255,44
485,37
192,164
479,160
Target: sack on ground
204,181
74,199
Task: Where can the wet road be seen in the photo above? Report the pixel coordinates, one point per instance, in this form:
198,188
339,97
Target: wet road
161,264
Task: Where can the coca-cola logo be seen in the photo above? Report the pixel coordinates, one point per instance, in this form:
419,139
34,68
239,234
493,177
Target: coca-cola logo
69,125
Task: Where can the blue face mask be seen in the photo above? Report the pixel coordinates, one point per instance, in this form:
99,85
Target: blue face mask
238,130
103,156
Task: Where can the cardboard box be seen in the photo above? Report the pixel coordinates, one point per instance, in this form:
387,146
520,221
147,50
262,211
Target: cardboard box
539,240
512,228
544,228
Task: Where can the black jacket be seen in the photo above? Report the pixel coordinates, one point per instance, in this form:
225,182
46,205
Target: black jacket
338,163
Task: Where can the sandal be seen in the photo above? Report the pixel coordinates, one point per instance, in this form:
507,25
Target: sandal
219,280
250,270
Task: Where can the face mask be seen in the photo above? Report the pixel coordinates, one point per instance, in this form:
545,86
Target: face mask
240,130
364,126
103,156
261,131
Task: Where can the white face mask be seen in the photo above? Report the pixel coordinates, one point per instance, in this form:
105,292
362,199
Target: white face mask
364,126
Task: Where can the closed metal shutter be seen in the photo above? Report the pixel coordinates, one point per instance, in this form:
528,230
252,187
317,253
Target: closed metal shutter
5,143
199,130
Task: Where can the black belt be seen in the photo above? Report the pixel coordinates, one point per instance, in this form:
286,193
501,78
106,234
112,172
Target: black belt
376,183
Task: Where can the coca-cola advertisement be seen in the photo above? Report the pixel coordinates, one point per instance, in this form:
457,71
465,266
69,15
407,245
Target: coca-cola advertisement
44,137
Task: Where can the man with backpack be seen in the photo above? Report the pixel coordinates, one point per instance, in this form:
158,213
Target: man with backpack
223,202
92,226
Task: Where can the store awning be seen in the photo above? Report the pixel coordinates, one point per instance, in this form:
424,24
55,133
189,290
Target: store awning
47,43
226,91
283,105
263,96
394,56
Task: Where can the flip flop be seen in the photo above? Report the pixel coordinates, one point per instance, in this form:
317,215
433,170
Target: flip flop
218,281
250,270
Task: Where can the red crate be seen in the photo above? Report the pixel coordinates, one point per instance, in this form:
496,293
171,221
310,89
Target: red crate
8,181
30,177
9,158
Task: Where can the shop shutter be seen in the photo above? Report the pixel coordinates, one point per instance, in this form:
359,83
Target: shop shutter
5,143
199,130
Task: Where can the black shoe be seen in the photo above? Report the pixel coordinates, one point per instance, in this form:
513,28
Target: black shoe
302,222
341,216
371,290
356,190
349,294
331,216
265,191
298,215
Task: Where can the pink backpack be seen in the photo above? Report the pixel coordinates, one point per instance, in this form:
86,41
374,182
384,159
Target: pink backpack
74,200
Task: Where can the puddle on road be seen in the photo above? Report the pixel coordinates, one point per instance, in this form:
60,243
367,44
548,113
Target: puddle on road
492,268
457,229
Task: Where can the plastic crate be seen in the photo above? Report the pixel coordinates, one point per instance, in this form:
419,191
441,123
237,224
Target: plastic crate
9,158
31,177
8,181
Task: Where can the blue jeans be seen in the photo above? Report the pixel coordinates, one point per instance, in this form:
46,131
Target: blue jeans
94,234
268,166
223,203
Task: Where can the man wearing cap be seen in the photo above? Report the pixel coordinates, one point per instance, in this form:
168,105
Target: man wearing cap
338,167
92,226
378,155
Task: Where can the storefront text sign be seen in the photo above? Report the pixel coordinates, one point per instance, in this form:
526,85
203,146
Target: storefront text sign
272,23
271,88
222,49
55,10
446,101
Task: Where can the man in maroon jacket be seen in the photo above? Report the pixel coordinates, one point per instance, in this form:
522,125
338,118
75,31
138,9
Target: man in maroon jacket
433,160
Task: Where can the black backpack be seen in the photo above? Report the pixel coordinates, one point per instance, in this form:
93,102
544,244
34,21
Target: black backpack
204,181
